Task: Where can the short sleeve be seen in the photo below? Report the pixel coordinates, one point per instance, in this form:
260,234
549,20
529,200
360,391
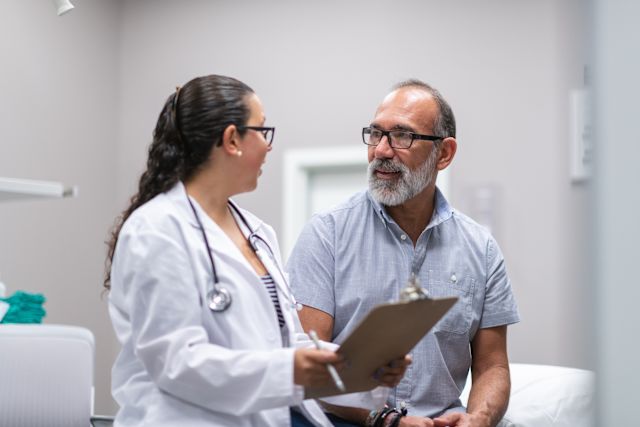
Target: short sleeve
311,265
499,305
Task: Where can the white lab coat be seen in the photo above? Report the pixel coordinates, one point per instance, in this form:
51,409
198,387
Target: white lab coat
181,364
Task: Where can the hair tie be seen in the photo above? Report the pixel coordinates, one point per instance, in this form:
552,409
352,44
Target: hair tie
174,106
174,113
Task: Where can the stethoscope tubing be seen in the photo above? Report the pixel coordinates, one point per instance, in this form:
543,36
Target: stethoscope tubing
219,298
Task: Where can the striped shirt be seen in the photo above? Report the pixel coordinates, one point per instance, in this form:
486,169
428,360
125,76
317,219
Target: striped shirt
268,282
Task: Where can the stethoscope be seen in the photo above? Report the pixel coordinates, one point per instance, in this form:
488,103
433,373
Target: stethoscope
219,298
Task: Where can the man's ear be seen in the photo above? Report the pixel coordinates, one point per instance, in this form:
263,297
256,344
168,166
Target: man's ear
448,149
230,139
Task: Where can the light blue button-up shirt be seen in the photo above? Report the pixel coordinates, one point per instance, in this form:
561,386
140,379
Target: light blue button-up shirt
355,256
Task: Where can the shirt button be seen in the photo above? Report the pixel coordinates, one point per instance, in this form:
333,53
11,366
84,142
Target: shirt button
403,237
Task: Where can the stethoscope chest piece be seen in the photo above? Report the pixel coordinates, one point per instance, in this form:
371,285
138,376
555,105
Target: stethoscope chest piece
219,299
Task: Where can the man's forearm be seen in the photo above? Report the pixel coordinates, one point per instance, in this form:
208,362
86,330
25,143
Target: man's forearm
489,396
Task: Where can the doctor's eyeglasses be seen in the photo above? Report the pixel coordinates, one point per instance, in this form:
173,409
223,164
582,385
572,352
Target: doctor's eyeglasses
396,138
267,132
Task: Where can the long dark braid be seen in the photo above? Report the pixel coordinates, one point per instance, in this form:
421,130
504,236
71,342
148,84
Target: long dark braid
190,124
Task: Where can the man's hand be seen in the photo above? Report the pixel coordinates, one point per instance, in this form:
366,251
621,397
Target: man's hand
460,419
410,421
391,374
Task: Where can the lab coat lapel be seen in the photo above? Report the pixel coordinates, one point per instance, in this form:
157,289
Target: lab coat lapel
222,246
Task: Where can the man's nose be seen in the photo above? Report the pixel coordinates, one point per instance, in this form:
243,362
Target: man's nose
383,149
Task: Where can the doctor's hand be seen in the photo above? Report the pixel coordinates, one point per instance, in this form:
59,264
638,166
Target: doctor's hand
310,366
390,375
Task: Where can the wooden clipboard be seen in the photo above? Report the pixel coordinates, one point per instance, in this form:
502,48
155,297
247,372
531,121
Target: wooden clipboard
388,332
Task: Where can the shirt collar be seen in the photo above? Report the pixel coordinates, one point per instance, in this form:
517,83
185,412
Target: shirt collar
442,210
379,209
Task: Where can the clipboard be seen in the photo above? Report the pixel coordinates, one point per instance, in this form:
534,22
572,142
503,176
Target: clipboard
388,332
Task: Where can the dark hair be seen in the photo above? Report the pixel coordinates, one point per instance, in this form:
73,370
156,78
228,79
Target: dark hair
190,124
445,122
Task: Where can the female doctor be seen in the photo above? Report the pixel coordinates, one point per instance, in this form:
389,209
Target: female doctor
198,298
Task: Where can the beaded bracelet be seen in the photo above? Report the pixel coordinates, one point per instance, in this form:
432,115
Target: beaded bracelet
369,422
383,417
396,420
378,420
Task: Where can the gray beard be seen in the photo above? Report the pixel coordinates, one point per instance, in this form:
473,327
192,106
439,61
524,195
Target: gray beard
408,185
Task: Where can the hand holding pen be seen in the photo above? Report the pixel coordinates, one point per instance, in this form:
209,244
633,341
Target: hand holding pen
332,370
313,366
310,366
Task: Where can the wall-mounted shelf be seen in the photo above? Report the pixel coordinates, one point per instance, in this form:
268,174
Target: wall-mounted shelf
20,189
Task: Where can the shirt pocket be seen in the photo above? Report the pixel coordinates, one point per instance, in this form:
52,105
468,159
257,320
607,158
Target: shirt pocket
450,284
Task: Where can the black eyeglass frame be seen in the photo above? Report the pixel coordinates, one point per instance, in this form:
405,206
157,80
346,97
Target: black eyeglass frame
387,133
265,132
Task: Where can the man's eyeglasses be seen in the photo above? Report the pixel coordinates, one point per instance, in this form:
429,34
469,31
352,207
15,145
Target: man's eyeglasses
396,138
267,133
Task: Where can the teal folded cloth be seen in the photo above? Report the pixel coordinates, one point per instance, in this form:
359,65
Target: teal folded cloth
24,307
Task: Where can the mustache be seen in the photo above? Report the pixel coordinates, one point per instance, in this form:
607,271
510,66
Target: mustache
386,165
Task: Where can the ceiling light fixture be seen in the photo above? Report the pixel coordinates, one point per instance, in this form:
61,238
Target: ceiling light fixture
62,6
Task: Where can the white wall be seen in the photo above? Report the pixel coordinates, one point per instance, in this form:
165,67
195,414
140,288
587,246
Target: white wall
57,121
320,68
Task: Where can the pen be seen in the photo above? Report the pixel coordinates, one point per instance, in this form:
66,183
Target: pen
332,370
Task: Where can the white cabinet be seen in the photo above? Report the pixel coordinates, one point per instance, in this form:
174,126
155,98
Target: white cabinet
18,189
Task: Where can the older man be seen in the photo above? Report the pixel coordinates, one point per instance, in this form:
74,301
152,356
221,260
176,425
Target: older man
362,253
